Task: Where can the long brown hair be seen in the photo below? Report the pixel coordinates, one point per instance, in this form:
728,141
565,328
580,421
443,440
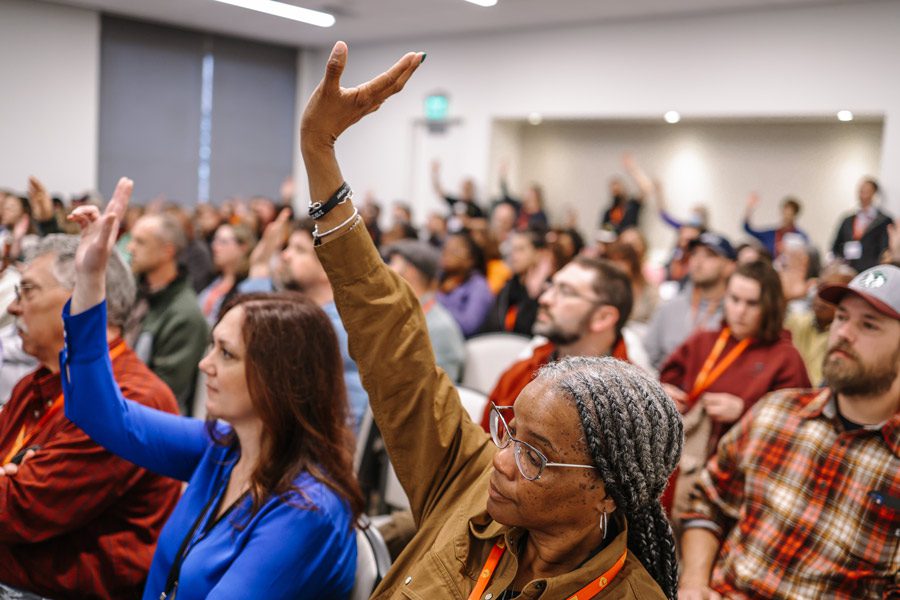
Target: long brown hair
771,298
295,378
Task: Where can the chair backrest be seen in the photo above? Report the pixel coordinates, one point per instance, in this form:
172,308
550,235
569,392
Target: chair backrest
372,559
488,356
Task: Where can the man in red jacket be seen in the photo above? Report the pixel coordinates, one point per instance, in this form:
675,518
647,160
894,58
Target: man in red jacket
75,520
581,313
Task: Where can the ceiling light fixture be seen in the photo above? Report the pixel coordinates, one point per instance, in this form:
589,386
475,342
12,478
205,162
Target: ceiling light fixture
535,118
483,2
845,115
286,11
672,117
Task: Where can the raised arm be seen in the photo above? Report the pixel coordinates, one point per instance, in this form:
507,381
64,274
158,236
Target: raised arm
165,443
433,444
644,183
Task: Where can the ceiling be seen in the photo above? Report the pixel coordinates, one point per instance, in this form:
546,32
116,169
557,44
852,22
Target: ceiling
374,21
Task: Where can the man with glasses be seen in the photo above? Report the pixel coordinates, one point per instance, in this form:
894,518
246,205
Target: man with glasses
581,313
76,520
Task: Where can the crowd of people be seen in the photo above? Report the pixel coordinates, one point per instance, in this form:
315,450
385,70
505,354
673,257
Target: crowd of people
183,390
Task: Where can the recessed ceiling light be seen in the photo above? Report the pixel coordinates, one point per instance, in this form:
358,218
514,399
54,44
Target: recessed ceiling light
286,11
535,118
845,115
483,2
672,116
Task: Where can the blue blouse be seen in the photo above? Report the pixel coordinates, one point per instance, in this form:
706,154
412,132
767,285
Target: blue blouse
294,547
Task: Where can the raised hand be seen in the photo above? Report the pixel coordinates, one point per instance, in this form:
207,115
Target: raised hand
332,109
272,240
41,202
98,237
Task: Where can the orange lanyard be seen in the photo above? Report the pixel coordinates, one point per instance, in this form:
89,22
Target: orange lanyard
426,308
585,593
25,437
712,371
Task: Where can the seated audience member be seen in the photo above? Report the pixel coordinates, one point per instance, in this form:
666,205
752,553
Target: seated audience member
271,498
516,305
370,210
496,271
565,244
78,522
554,529
301,271
169,332
581,313
644,293
717,376
809,328
530,209
503,221
196,257
772,239
463,289
624,210
677,267
699,305
418,263
800,500
750,252
435,230
207,220
231,248
863,236
402,227
464,206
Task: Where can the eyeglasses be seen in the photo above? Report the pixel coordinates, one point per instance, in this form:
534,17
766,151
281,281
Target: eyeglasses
530,461
565,290
25,291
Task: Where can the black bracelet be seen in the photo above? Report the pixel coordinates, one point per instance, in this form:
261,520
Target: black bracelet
317,210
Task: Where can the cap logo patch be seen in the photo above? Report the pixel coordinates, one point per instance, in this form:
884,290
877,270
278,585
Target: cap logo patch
873,280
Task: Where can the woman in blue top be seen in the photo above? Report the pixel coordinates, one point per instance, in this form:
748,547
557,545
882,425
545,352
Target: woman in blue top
272,499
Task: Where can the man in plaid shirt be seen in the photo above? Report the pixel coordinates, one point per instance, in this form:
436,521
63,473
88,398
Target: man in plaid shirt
802,499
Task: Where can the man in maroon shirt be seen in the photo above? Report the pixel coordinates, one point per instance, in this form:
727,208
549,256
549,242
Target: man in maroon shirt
75,521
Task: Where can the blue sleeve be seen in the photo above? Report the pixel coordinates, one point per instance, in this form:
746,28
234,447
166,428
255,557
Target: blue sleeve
670,220
478,303
357,397
164,443
256,284
293,554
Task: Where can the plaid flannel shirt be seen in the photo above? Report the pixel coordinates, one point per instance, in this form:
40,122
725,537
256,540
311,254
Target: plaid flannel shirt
806,508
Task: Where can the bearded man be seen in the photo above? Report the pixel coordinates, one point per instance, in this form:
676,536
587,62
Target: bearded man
802,499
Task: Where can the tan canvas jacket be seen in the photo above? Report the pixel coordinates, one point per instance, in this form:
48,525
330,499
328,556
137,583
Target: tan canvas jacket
442,458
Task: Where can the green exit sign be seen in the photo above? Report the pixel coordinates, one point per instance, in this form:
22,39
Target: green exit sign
437,107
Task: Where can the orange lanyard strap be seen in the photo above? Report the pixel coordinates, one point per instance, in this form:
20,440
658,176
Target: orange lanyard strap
589,591
25,437
426,308
712,371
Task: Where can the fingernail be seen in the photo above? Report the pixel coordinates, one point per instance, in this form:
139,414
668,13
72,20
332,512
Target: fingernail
339,48
424,54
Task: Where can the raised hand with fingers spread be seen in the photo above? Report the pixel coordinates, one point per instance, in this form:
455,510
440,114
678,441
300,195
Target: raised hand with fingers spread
98,237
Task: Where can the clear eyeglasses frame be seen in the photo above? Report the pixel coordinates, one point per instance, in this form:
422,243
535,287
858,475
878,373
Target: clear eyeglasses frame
530,461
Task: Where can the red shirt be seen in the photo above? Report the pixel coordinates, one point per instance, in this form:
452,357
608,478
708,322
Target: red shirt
76,520
521,373
760,369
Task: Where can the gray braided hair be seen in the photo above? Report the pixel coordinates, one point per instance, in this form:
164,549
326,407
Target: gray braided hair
634,435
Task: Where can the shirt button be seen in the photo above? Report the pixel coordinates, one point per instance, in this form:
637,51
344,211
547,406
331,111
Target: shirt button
488,596
540,585
407,581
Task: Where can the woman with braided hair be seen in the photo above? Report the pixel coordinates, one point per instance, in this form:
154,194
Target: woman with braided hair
568,507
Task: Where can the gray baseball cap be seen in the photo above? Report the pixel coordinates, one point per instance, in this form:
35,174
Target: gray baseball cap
879,286
424,257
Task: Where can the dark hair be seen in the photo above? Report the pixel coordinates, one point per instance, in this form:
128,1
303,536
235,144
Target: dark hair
479,263
634,436
873,182
771,298
793,203
296,385
627,254
611,285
